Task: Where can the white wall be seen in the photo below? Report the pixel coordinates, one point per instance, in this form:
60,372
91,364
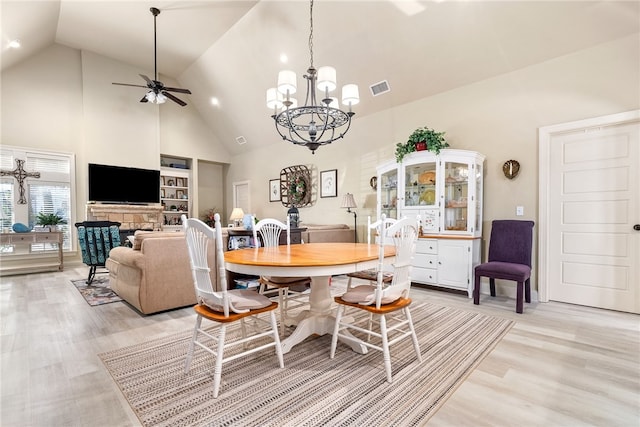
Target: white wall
498,117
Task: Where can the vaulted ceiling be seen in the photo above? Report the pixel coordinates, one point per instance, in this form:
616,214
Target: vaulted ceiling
231,49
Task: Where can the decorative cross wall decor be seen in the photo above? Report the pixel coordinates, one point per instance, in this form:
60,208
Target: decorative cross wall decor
20,174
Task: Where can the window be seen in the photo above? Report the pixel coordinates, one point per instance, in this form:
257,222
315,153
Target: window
52,192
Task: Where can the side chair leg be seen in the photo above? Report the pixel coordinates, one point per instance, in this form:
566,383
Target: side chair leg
92,274
519,303
283,308
385,348
187,363
527,290
476,290
243,327
414,337
217,370
276,338
492,287
336,328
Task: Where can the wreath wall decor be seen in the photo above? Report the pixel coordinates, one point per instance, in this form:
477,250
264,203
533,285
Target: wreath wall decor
295,186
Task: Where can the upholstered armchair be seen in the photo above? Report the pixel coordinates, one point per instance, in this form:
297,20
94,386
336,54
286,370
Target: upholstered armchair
96,239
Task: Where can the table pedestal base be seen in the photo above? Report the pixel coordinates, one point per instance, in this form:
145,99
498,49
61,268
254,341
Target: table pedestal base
318,320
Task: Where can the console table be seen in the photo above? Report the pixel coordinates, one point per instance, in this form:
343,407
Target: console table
27,239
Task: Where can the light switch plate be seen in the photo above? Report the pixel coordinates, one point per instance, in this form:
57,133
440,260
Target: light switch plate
519,210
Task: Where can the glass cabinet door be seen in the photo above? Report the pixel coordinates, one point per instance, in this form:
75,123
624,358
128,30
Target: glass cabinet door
420,185
388,193
456,196
479,197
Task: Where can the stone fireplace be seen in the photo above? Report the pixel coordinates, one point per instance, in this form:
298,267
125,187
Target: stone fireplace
130,217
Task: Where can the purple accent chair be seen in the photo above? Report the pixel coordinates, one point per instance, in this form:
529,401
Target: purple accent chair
509,259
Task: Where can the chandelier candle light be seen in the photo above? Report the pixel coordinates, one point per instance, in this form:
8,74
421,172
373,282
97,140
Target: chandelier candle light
315,123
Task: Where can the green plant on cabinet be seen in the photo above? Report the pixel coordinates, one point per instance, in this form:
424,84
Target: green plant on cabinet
434,141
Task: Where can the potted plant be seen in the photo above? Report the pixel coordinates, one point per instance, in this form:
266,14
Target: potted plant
49,220
209,218
422,138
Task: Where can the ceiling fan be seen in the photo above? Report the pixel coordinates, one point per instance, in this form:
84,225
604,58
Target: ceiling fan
158,92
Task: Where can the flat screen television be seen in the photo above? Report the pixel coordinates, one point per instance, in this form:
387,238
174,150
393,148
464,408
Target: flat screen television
117,184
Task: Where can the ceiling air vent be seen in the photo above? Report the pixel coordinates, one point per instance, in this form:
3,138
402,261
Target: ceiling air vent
379,88
241,140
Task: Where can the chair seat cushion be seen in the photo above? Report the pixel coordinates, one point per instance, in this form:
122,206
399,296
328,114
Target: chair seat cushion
504,270
366,295
241,299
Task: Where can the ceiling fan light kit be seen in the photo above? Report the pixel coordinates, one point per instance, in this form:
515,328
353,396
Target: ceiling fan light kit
158,93
314,123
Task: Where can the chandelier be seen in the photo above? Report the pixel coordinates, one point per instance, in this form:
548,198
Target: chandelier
315,123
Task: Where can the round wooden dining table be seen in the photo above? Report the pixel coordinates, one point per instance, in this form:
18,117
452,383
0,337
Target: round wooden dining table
317,260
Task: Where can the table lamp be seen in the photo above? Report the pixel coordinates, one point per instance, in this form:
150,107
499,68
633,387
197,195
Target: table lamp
236,216
349,202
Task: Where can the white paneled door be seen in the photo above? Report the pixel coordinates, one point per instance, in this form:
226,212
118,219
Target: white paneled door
594,216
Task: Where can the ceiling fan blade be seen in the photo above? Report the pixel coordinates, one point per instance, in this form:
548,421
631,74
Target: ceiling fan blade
176,89
147,79
174,99
144,99
127,84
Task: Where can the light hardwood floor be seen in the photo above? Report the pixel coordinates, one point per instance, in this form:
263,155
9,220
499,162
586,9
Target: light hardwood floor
560,365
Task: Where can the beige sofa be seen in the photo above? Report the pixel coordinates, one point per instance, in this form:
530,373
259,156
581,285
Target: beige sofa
317,233
154,275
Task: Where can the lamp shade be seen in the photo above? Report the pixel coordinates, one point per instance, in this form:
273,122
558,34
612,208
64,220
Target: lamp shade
274,98
326,79
350,94
287,82
237,214
348,201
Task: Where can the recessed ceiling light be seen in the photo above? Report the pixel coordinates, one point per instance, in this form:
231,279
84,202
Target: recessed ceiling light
283,58
215,101
14,44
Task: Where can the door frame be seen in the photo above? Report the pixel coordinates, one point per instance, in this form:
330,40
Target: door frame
545,134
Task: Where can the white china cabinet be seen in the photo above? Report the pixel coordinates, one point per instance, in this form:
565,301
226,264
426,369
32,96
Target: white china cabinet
446,191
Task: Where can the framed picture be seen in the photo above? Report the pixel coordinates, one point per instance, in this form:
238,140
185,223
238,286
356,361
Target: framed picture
329,183
274,190
179,194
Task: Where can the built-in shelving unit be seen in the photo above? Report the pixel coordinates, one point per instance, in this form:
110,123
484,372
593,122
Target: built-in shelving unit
175,190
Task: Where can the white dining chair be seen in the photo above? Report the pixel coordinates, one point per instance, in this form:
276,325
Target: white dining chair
387,304
292,292
225,307
370,275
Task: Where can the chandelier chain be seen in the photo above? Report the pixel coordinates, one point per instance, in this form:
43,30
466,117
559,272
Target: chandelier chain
311,32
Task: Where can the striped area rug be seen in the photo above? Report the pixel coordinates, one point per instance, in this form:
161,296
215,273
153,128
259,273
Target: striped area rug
312,390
